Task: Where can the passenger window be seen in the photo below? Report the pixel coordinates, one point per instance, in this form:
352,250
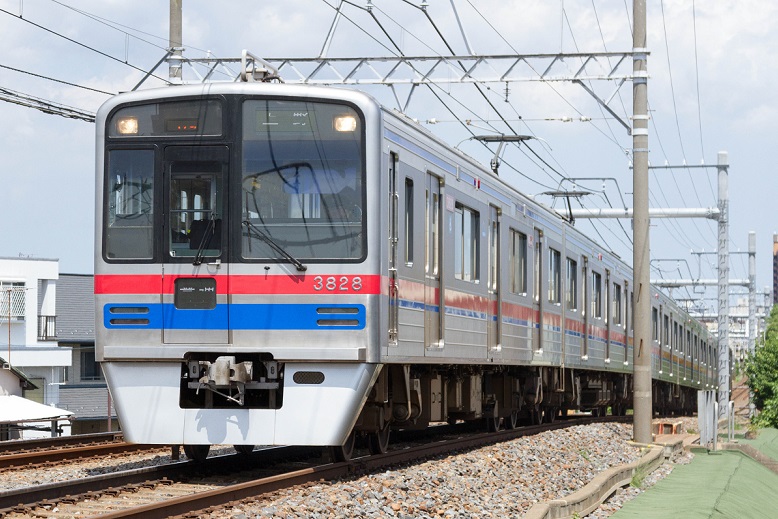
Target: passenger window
596,295
494,243
654,324
518,262
572,284
466,243
617,304
555,276
666,332
195,224
409,221
129,220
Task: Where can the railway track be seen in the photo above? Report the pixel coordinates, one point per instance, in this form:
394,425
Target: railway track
44,452
187,488
15,446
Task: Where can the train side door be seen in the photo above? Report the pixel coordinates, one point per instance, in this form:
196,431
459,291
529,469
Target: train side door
537,245
586,309
194,278
608,315
434,308
394,309
494,311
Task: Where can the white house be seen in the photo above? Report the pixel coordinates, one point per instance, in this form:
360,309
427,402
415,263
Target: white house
28,326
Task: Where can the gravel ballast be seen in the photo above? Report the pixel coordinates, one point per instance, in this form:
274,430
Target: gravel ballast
503,480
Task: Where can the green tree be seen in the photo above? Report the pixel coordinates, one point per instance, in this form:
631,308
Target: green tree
762,371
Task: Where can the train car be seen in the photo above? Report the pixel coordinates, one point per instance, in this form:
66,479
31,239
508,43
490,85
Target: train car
282,264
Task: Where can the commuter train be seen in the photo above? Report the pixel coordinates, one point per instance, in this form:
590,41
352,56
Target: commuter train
286,264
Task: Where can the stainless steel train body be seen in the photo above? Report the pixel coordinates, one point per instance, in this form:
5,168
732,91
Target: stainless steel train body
288,265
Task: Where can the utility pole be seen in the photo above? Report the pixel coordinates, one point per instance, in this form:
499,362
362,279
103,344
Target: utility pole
723,255
752,326
175,43
641,363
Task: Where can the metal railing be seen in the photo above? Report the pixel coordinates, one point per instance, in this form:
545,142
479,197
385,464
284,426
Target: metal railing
47,328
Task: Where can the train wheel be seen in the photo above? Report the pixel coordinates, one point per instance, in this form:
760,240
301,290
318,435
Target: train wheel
493,424
197,452
536,415
550,414
512,421
378,442
345,451
243,449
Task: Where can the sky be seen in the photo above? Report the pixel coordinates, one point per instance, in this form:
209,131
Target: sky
711,68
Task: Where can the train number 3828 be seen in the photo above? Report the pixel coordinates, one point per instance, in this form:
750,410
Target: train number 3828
337,284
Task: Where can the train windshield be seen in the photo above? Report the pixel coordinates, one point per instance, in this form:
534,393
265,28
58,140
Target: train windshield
302,190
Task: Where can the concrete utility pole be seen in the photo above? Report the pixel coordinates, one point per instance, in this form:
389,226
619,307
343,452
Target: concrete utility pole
723,253
175,43
641,364
752,324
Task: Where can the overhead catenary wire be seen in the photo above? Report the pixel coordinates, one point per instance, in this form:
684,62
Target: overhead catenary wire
575,43
697,77
605,47
119,27
433,87
511,105
549,85
76,42
45,106
607,122
48,78
675,105
677,186
504,120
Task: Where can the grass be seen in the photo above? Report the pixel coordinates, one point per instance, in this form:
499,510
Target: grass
638,478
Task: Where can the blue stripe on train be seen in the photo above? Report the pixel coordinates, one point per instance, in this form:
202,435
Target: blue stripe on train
240,317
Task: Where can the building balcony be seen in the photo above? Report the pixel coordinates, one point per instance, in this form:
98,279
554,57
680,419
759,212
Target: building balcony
47,328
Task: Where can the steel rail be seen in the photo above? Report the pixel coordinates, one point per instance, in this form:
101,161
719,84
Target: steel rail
20,499
20,459
13,446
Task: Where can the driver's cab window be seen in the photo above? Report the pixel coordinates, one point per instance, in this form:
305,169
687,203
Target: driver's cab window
195,210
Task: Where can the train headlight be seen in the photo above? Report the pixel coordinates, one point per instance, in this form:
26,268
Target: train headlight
345,123
127,126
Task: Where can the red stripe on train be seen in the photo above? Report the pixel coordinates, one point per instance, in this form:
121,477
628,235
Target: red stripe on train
244,284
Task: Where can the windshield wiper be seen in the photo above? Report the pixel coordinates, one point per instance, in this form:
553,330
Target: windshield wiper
275,246
205,240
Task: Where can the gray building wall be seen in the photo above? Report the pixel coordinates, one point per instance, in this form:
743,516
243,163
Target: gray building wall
85,396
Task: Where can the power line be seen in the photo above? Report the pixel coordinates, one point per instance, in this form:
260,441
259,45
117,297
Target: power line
557,92
57,80
433,87
45,106
119,27
511,105
80,44
697,76
575,43
114,25
605,47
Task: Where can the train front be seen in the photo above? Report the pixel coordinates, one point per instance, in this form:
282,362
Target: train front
236,280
